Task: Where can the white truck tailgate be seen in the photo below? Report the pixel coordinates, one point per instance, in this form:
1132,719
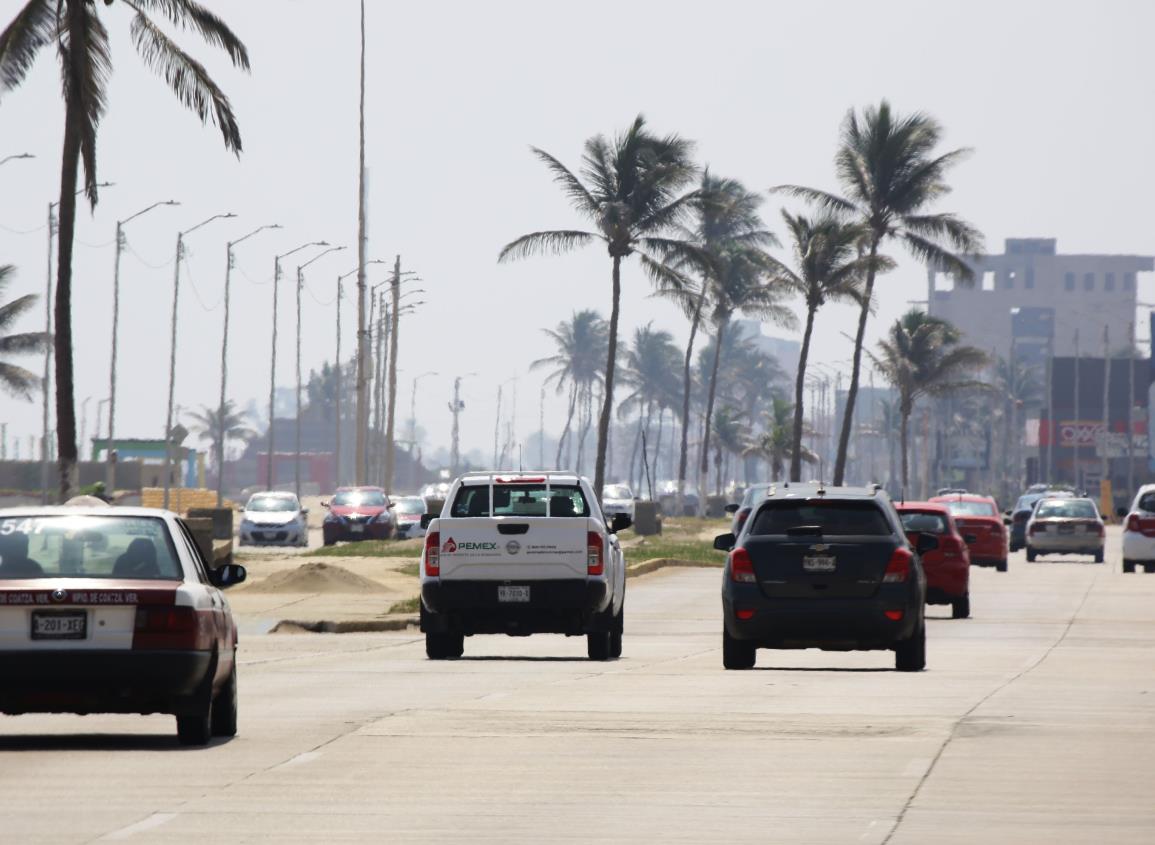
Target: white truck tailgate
513,548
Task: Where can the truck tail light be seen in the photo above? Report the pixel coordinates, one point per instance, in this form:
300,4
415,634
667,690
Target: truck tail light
898,570
595,546
166,627
742,567
433,554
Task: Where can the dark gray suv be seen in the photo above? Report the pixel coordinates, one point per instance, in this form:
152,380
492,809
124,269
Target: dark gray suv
824,567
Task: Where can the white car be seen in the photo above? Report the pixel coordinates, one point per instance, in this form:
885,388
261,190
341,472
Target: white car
274,519
1139,531
408,510
522,553
618,498
115,610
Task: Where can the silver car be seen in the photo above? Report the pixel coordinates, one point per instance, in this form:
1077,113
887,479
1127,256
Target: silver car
1065,526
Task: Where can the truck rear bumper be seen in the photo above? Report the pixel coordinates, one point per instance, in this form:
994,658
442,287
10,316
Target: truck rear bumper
564,606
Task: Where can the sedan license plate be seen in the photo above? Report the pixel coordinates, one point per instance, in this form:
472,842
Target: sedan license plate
357,529
512,594
1066,529
818,563
60,626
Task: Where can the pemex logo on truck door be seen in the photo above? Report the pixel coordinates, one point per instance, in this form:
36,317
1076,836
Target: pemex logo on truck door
449,547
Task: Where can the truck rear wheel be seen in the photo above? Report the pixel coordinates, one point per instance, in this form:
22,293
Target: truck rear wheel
616,633
598,645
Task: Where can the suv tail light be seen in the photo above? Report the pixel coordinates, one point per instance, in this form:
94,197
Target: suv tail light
742,567
595,562
1133,522
169,627
898,570
433,554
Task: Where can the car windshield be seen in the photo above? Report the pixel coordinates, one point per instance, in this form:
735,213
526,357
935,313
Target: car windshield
830,518
76,546
616,491
1147,502
930,523
1067,509
359,498
1025,503
971,508
521,500
272,503
409,505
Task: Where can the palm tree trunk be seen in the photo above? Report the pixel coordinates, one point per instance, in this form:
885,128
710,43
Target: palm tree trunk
904,429
685,447
704,465
635,457
799,390
611,366
658,445
568,422
855,370
65,408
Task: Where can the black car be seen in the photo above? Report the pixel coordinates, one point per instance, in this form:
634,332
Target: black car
824,567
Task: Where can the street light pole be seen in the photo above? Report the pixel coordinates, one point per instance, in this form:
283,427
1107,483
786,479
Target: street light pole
413,425
219,457
455,408
109,451
272,456
297,425
340,367
172,351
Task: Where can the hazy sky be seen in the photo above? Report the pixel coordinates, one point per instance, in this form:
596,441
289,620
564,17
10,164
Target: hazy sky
1056,98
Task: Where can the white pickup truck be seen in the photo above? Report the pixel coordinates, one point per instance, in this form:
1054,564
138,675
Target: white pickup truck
522,553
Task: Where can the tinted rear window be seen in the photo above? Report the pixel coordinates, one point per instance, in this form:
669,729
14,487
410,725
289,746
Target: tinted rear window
521,500
834,518
87,547
929,523
971,508
1147,502
1064,509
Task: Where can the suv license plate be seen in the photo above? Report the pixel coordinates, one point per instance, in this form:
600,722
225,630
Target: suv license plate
60,626
818,563
512,594
356,529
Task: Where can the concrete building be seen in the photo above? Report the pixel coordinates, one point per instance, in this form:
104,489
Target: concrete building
1017,290
785,352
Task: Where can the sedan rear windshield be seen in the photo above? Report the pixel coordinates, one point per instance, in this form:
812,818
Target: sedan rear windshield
1067,509
272,504
1147,502
971,508
128,547
521,500
360,498
929,523
829,518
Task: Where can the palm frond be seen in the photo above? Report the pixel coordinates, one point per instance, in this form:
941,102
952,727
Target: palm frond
935,256
555,242
186,13
12,311
948,228
579,195
33,28
187,78
823,199
18,381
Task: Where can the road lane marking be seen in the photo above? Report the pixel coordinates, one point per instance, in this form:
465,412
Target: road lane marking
151,823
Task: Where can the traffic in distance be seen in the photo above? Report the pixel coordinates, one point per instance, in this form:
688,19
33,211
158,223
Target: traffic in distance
107,609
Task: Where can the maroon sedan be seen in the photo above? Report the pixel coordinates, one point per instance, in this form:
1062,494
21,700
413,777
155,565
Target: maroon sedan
358,513
947,567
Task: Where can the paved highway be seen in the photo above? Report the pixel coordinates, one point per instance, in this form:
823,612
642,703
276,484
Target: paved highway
1035,722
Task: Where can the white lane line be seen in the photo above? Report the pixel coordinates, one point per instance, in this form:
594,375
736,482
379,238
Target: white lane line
304,757
152,822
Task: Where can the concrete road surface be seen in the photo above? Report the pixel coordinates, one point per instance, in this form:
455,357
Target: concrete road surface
1034,723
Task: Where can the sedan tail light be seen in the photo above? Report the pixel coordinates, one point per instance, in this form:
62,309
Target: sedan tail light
898,570
595,547
1033,530
742,567
170,628
433,554
1133,522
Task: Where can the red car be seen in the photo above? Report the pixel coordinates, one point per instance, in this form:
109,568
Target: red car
947,567
358,513
981,524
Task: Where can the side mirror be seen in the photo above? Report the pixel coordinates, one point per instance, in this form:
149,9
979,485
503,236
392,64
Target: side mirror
228,575
620,522
732,508
324,504
304,511
926,543
1007,512
427,518
725,542
1121,513
391,505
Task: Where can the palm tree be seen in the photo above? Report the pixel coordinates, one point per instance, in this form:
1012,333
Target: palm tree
581,345
81,40
827,253
921,356
211,424
732,437
1019,384
890,174
630,194
649,372
776,444
14,379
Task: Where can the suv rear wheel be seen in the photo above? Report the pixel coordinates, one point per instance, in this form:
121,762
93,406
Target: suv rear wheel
443,646
1128,566
910,655
737,654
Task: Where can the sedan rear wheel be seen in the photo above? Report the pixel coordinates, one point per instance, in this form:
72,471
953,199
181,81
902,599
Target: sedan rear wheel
737,654
196,728
1128,566
961,608
224,709
1099,556
1149,567
1031,555
910,655
1001,566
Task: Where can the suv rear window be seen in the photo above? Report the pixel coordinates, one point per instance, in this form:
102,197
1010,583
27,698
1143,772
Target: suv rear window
929,523
520,500
87,547
832,518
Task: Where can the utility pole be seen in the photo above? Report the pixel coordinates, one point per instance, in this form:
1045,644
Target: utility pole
541,430
1078,417
497,429
222,429
172,350
341,367
362,408
110,456
1106,447
413,426
1131,409
390,422
455,408
379,391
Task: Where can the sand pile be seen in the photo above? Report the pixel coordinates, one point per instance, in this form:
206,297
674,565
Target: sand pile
317,578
